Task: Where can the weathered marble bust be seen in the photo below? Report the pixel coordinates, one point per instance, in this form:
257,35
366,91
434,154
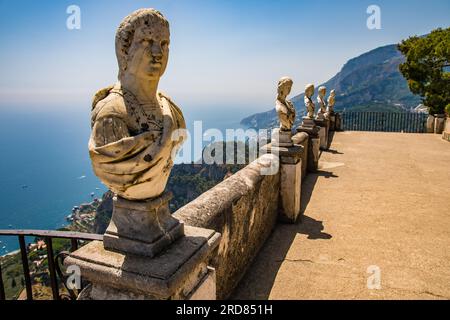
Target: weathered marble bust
309,104
284,107
321,102
331,102
131,145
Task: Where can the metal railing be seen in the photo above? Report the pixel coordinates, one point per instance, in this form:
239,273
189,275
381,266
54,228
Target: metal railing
408,122
53,260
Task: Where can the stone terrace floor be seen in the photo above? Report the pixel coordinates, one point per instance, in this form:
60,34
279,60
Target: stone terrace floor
380,199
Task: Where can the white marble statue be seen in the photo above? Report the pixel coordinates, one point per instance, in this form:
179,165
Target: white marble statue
321,104
131,144
309,104
285,109
331,102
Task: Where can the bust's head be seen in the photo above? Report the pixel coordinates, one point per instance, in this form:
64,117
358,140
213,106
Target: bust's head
322,91
309,90
332,93
284,87
142,45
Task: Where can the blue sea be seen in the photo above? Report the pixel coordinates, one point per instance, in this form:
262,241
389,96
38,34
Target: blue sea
45,169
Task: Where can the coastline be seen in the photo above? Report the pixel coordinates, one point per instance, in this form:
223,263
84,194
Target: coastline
10,253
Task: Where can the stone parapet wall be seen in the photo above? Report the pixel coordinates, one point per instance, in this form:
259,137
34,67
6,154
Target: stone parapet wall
244,209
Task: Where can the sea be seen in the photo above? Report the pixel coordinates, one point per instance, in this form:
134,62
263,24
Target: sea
45,169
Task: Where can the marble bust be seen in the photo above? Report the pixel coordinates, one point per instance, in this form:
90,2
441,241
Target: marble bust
331,102
285,109
321,102
309,104
132,145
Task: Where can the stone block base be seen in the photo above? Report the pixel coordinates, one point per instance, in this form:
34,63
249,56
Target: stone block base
439,123
430,124
332,119
142,227
309,126
176,273
446,136
323,133
313,154
302,139
291,179
290,191
338,122
281,138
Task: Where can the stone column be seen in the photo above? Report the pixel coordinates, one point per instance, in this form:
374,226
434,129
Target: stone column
430,124
147,254
332,118
142,227
439,122
309,126
323,123
302,139
338,122
446,132
290,156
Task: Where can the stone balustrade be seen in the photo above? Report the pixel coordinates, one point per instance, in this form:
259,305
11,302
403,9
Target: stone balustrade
245,207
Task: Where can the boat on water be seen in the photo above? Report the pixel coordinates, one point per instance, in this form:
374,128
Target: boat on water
92,194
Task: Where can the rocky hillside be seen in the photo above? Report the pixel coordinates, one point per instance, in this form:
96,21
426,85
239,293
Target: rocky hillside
371,81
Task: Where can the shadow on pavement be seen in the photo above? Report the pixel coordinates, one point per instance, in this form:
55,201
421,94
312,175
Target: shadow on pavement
257,283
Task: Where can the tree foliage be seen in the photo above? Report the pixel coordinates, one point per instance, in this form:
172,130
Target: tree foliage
427,68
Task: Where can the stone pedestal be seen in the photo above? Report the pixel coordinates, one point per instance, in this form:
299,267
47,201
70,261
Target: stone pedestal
281,138
430,124
332,119
146,253
446,132
142,227
302,139
291,180
323,132
179,272
309,126
338,122
439,123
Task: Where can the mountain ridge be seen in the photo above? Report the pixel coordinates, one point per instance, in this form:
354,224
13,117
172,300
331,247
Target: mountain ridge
371,81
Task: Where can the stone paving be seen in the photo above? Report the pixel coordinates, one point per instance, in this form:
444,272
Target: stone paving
381,201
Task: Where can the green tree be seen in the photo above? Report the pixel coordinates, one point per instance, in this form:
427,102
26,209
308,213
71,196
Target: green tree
427,68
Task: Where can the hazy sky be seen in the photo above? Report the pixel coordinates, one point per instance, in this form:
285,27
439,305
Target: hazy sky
222,52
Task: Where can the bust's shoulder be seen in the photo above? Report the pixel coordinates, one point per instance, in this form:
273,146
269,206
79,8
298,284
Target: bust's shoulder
175,110
280,106
169,101
108,102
